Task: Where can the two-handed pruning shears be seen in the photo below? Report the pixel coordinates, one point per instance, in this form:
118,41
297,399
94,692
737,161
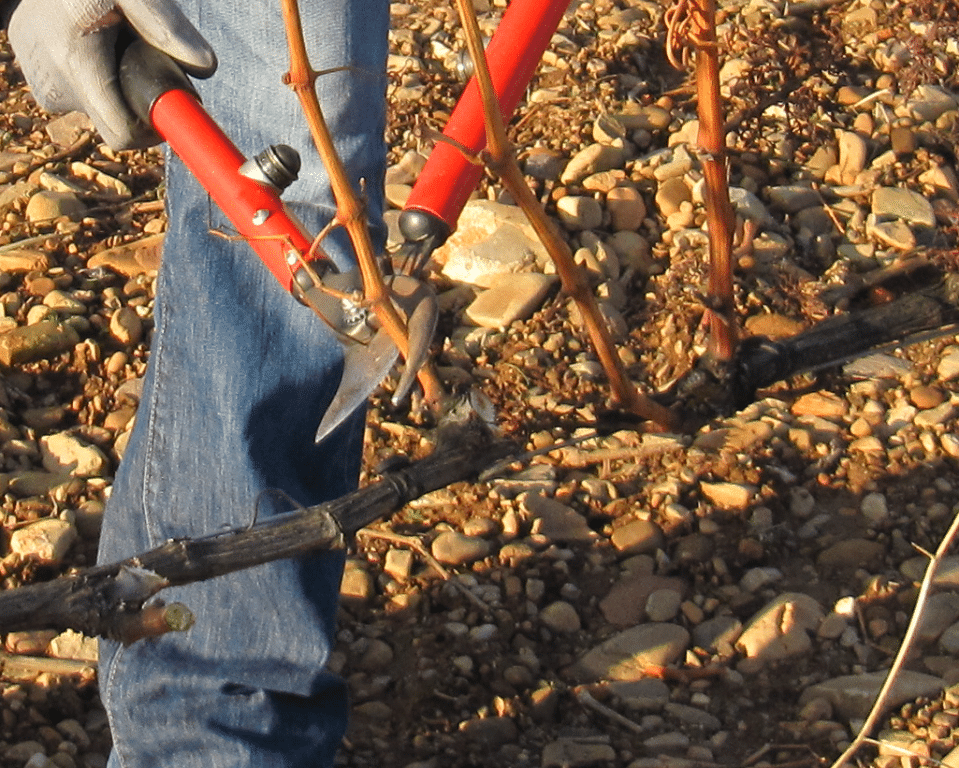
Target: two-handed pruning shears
248,192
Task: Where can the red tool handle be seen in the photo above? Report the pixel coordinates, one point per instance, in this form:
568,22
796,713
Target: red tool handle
516,48
162,96
254,208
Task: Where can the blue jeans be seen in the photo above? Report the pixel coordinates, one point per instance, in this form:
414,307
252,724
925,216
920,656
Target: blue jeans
239,377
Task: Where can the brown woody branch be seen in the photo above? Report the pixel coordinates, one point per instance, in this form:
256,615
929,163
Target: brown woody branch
109,600
693,23
501,159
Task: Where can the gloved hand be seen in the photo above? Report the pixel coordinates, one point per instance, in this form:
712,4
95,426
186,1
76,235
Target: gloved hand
67,52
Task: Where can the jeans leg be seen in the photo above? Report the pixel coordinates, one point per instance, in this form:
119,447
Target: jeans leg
239,377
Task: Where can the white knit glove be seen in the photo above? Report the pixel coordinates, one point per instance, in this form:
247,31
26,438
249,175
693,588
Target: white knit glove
67,52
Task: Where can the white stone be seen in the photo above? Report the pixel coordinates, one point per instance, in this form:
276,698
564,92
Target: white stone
45,540
65,452
510,298
579,212
780,630
491,239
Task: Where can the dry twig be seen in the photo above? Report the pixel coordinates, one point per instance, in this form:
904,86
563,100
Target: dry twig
417,546
908,641
350,213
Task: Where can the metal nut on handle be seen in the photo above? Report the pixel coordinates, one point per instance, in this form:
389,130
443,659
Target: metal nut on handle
277,166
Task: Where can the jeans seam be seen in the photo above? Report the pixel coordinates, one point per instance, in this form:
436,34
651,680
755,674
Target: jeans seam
148,492
106,692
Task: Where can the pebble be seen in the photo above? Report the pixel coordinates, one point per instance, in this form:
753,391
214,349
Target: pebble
25,260
678,166
578,752
509,298
626,602
876,366
46,541
667,742
696,547
560,617
717,632
942,610
491,239
126,326
792,198
853,695
663,605
874,508
833,626
578,212
801,502
32,643
749,207
949,640
756,579
936,417
140,257
23,751
543,164
693,716
899,203
924,396
671,194
853,152
826,405
356,585
637,537
628,654
626,207
454,548
592,159
650,117
902,139
942,179
929,102
66,129
398,564
38,341
557,522
65,452
948,368
895,234
726,495
47,206
649,693
781,629
852,553
950,444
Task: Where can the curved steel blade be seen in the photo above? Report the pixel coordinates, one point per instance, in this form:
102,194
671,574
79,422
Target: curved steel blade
417,302
364,367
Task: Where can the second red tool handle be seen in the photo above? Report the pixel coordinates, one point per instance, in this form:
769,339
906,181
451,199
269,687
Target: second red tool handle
515,50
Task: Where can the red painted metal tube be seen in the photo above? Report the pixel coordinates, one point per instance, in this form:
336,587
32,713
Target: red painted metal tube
254,208
515,50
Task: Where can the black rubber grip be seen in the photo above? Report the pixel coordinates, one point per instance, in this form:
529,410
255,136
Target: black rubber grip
146,74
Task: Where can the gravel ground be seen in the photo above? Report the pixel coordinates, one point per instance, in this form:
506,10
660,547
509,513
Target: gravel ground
725,596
